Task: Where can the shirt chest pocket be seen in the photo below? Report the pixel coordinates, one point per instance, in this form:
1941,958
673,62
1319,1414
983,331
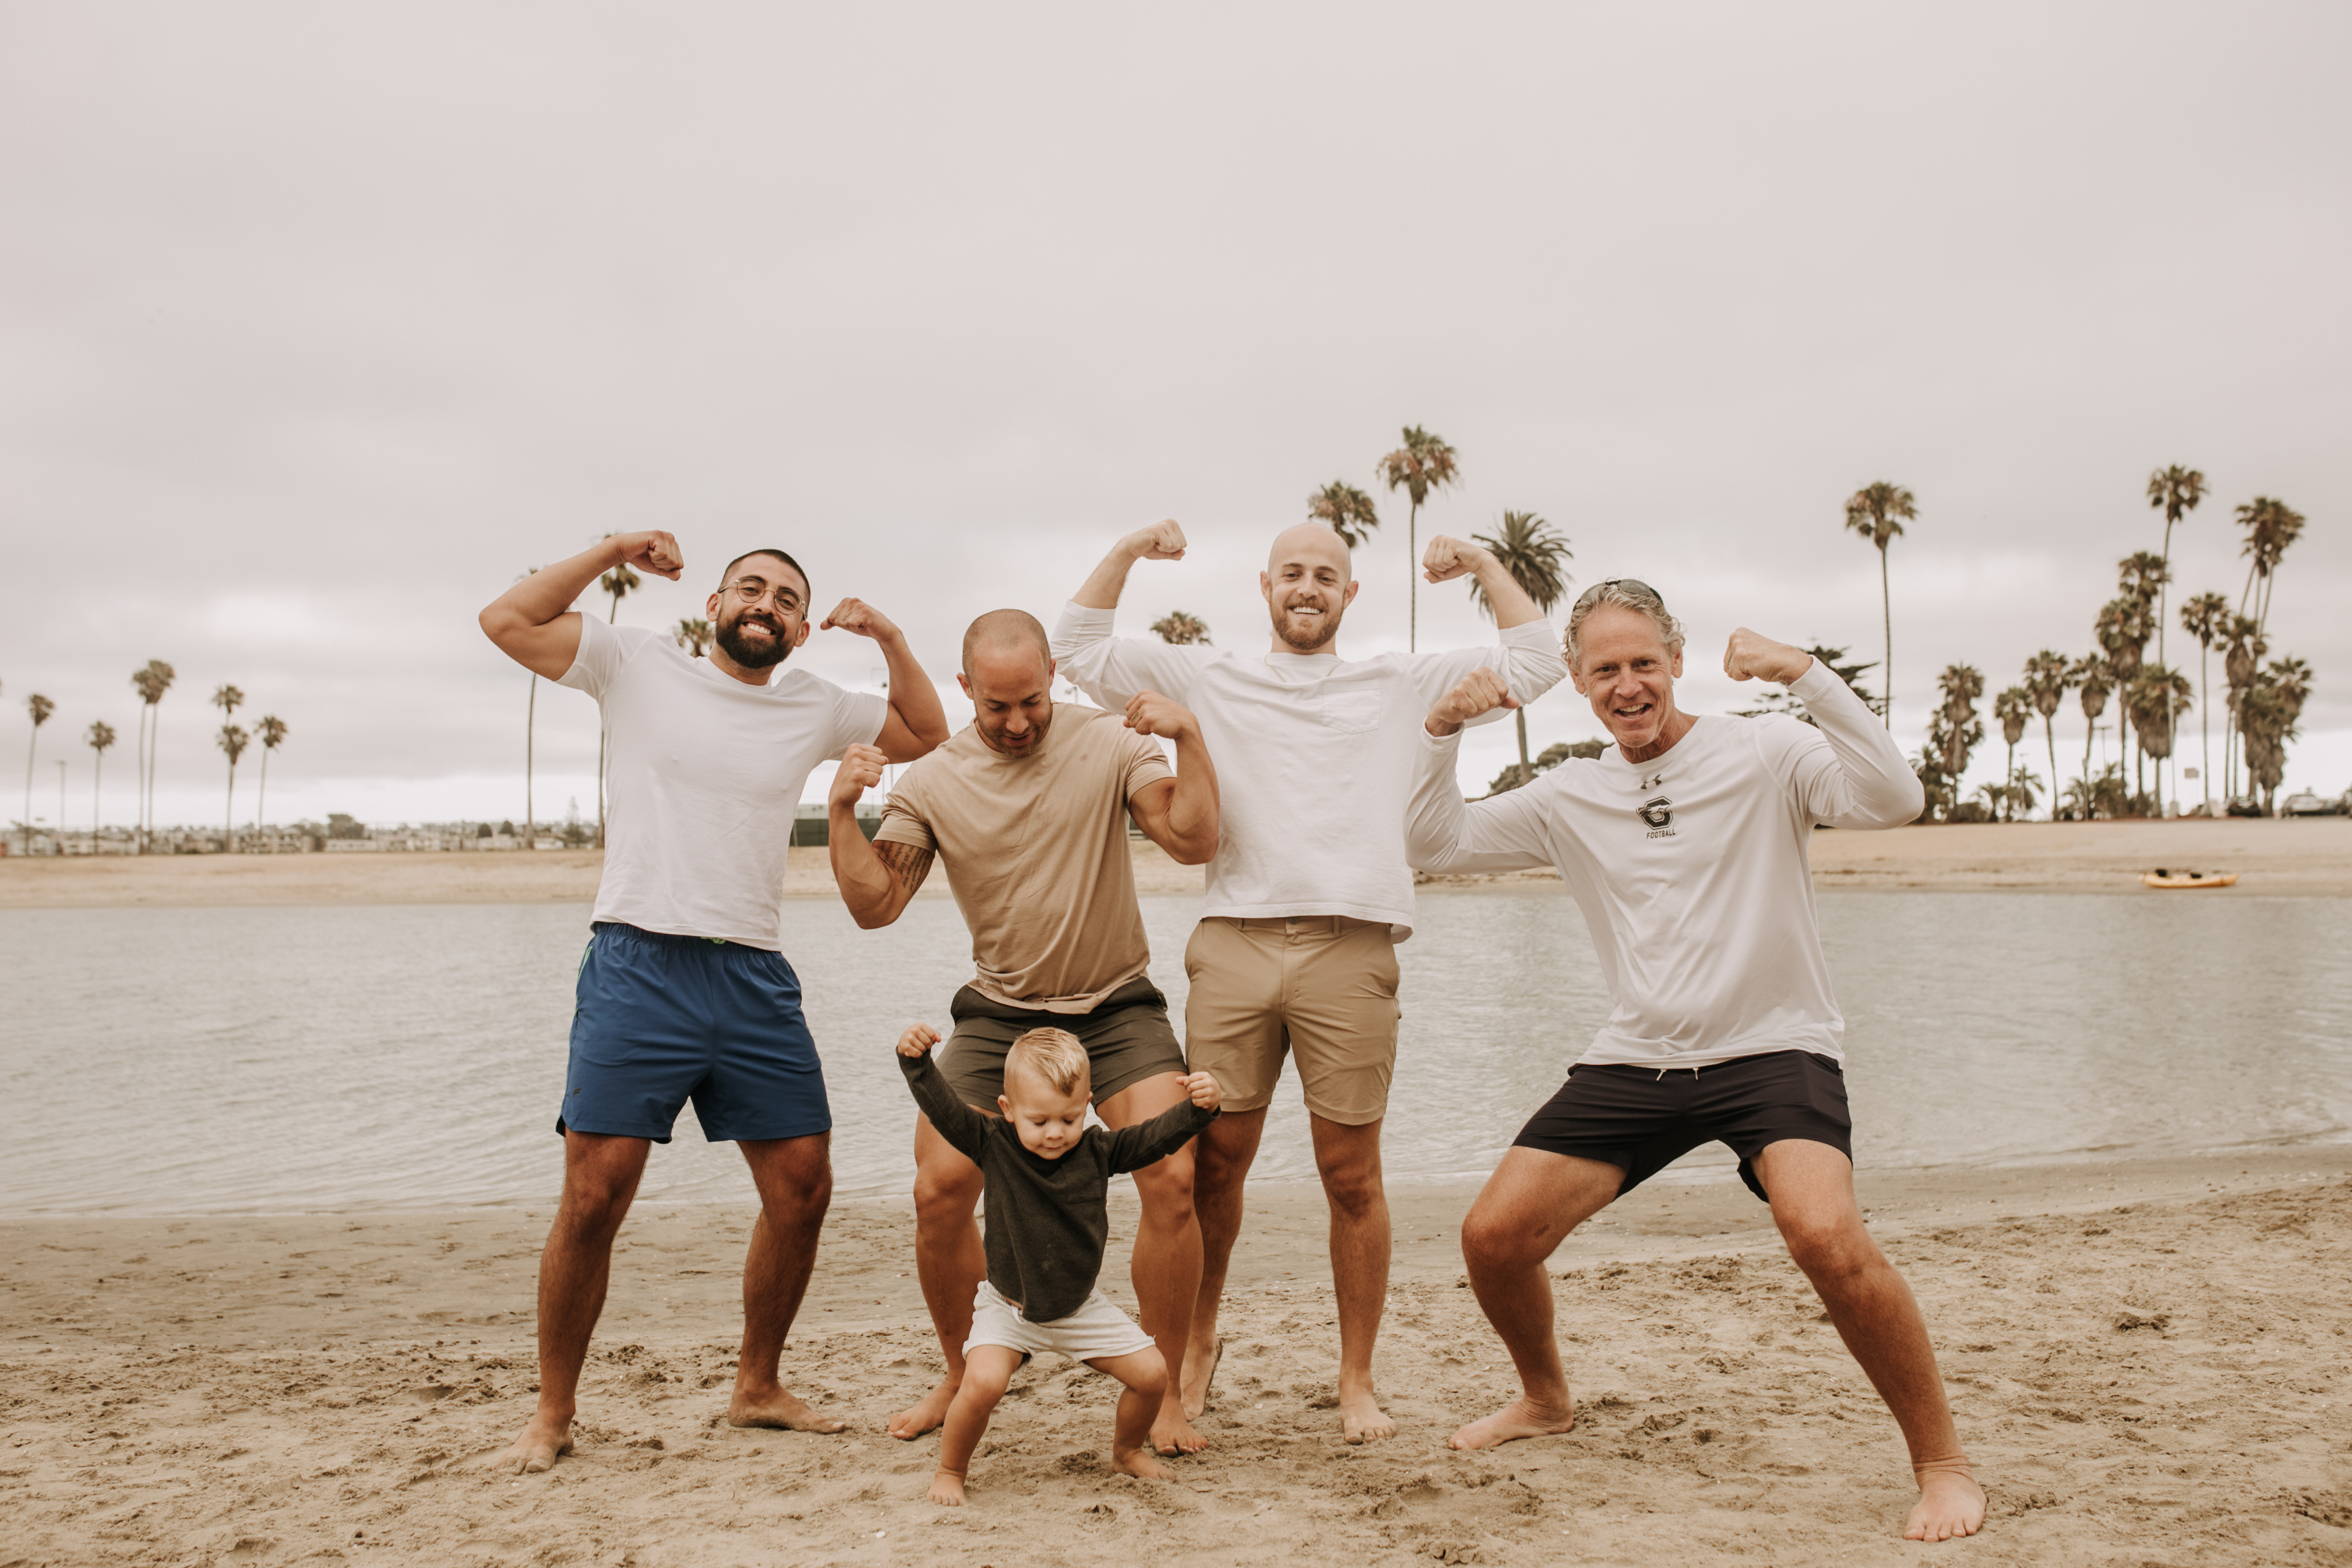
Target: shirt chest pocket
1350,713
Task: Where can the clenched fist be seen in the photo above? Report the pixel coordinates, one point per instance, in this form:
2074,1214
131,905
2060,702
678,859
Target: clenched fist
1161,542
1447,558
1480,691
1149,713
918,1041
651,551
858,615
1750,656
860,770
1204,1090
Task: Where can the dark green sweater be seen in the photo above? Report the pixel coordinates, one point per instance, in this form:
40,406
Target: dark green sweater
1047,1221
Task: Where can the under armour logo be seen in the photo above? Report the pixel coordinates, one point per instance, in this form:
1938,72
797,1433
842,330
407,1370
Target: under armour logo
1653,781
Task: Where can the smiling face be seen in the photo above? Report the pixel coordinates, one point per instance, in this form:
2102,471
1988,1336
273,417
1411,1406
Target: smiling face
1011,685
1627,671
1049,1120
759,633
1308,583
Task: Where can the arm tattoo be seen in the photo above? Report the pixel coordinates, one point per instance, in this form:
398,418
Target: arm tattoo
910,862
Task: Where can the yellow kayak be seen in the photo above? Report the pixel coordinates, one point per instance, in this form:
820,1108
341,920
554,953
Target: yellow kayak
2160,877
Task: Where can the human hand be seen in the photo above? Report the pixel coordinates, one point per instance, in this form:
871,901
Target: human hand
1149,713
1161,542
1447,558
860,770
651,551
918,1041
1480,691
1204,1090
858,615
1750,657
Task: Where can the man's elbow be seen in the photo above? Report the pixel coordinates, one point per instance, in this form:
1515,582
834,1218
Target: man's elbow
1195,848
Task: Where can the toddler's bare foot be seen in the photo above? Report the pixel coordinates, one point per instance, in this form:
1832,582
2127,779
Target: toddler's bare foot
947,1488
1139,1463
1950,1503
781,1408
925,1413
1522,1418
543,1441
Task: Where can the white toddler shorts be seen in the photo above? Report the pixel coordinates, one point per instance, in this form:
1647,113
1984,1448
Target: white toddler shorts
1096,1331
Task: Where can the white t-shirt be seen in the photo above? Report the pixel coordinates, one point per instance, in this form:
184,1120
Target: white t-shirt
1315,755
702,776
1691,868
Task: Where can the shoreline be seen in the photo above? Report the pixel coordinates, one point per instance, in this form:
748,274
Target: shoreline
2137,1349
2275,857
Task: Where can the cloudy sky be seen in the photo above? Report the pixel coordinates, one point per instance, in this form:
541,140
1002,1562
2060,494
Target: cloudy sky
319,324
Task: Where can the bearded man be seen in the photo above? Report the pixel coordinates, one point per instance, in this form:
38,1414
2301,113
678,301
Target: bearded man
1308,893
684,992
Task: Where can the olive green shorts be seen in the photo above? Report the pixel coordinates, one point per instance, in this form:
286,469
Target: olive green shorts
1128,1039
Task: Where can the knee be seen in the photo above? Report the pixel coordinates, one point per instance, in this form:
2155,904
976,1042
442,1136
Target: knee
1353,1187
946,1192
1829,1249
1151,1377
1489,1242
983,1388
1165,1191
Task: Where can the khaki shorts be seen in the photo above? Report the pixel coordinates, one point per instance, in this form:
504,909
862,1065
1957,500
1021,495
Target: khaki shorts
1320,988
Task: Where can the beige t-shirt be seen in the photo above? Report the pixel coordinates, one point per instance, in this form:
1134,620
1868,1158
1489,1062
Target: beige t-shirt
1036,852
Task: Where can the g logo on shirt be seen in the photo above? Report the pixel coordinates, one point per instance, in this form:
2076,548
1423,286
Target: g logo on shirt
1659,813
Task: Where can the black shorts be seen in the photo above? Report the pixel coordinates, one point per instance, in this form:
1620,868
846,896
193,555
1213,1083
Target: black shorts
1642,1120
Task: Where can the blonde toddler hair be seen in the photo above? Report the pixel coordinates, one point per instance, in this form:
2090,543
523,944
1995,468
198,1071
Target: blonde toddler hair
1054,1055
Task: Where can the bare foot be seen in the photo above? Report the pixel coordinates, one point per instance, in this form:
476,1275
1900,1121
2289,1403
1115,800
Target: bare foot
1522,1418
545,1441
1951,1504
1172,1433
1139,1462
1199,1376
779,1407
925,1413
1362,1420
947,1488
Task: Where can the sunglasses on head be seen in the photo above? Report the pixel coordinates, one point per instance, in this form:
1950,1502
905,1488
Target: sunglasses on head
1593,593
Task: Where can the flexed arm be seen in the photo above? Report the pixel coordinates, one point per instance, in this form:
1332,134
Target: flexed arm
876,879
1859,780
917,721
1179,814
1108,670
1445,834
533,622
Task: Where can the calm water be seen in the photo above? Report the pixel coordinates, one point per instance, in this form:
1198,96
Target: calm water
332,1058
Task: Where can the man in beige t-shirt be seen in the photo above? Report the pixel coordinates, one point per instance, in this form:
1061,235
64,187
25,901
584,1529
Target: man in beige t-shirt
1028,808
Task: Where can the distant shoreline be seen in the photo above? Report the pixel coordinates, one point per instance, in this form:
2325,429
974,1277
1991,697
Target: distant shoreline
2275,857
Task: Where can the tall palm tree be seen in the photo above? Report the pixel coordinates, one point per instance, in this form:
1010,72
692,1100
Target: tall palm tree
40,708
271,733
1347,510
150,682
2122,631
620,583
2271,526
2273,704
1956,729
2150,702
1424,463
2092,677
233,739
2175,490
1182,628
2014,709
2242,647
228,698
692,634
99,737
2049,675
2202,617
1878,511
1533,554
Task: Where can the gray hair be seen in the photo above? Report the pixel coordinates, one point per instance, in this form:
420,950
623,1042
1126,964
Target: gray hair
1628,594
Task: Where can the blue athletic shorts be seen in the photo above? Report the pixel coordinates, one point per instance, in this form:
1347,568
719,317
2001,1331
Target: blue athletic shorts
664,1019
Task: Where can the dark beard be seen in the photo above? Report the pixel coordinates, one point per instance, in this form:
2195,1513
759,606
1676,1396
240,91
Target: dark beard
749,655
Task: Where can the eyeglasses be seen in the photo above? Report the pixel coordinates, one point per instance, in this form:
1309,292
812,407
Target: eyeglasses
748,591
1593,593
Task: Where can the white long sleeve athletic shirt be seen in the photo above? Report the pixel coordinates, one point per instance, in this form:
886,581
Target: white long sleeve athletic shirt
1691,868
1315,755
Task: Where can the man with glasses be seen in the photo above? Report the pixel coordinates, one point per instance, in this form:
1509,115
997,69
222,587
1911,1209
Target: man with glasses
1685,848
1308,893
684,992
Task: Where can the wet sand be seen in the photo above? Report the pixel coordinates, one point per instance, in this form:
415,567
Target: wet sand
2148,1361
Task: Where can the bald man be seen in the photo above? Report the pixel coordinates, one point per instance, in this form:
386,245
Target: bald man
1028,809
1308,893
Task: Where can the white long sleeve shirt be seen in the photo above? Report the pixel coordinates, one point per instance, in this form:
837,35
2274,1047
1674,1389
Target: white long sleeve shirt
1691,868
1315,755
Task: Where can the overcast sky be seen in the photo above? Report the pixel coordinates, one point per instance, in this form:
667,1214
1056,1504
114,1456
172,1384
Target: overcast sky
319,324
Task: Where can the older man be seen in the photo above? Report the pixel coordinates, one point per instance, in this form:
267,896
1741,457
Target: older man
684,992
1296,952
1686,850
1027,808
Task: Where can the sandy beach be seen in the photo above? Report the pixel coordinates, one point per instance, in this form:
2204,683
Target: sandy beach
2311,859
2148,1363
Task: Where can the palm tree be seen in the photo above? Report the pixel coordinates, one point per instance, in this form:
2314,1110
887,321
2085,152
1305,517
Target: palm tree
2049,675
693,635
2150,702
2092,677
620,583
2203,617
2268,716
1347,510
271,733
99,736
1956,729
233,739
1182,628
150,682
1424,463
1878,511
2271,526
2014,709
2176,491
40,708
2122,631
2242,647
228,698
1532,553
